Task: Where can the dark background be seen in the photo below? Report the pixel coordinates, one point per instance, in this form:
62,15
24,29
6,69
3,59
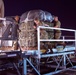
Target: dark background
64,9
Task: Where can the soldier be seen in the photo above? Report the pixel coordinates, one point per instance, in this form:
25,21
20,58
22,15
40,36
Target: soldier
57,24
44,34
15,31
57,33
15,27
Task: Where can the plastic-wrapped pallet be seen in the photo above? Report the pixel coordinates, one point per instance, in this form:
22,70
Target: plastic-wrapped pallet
27,35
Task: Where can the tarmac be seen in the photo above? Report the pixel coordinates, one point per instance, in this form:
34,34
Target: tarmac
10,69
69,71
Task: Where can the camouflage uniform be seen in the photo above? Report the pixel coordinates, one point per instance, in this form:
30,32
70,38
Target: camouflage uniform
57,33
43,32
49,31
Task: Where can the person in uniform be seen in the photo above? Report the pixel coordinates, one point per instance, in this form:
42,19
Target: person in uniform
15,27
57,33
15,32
57,24
43,33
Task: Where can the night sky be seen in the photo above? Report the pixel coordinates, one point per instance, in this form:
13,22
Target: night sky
64,9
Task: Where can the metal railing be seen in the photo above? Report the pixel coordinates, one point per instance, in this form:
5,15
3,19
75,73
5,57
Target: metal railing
46,40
